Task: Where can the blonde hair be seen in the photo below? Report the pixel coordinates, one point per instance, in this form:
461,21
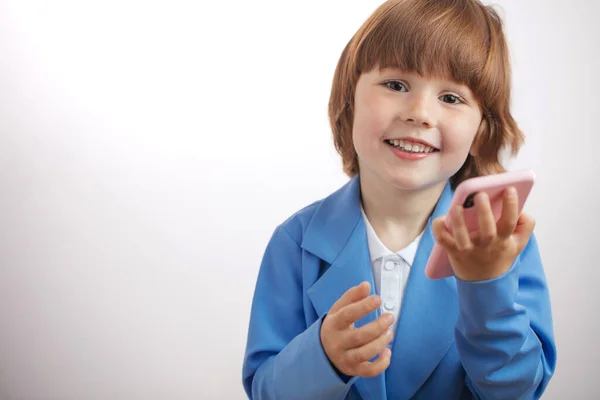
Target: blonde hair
460,39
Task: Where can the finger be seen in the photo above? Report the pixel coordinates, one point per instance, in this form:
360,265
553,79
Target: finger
352,295
366,334
485,220
441,234
368,351
371,369
459,230
510,213
355,311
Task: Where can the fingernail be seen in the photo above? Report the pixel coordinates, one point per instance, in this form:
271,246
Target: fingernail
387,353
388,318
512,191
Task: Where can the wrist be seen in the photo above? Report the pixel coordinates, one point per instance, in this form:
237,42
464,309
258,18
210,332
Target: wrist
481,274
345,378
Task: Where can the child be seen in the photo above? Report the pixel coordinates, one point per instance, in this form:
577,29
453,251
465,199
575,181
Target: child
342,308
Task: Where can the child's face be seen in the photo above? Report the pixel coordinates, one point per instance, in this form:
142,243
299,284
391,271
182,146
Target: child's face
394,107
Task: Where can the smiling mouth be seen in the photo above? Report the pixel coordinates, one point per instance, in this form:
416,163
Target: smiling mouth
410,147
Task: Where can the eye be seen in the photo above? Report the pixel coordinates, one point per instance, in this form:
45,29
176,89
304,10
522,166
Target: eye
396,86
451,99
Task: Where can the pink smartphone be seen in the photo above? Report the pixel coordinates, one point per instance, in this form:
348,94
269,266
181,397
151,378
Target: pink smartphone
438,266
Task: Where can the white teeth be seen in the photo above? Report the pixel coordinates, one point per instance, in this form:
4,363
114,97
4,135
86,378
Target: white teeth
411,147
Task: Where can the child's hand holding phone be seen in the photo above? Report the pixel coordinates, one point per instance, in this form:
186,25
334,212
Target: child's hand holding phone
489,250
349,349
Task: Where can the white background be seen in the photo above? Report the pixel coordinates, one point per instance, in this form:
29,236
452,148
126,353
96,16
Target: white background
149,149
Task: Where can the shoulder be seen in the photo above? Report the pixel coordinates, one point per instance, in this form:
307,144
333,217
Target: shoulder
323,226
296,224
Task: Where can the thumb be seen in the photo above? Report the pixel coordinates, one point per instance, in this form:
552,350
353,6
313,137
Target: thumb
524,229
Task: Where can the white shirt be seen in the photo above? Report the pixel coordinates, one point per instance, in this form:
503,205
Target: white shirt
390,271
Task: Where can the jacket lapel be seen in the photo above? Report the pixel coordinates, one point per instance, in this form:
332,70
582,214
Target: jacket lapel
428,315
337,235
425,330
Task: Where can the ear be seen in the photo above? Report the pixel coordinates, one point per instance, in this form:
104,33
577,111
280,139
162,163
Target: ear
473,151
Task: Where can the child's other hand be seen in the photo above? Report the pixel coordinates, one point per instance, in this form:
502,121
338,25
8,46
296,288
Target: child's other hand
350,349
490,251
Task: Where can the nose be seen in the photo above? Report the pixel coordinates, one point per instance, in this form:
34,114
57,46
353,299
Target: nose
418,111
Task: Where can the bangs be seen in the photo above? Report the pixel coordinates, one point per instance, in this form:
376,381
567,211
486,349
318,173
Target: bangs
446,39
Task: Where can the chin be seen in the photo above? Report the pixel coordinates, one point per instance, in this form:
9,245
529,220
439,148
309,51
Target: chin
414,182
408,182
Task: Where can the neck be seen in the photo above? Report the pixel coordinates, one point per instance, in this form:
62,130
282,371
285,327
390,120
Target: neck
398,215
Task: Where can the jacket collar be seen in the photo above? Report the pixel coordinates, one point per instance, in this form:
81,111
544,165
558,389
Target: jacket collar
336,234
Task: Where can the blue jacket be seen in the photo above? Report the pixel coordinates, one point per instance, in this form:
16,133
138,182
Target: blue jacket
454,339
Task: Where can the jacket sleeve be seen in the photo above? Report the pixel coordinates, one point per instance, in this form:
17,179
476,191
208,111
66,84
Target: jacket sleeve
284,358
504,331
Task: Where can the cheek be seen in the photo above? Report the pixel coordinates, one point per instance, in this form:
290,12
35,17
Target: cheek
459,134
370,120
